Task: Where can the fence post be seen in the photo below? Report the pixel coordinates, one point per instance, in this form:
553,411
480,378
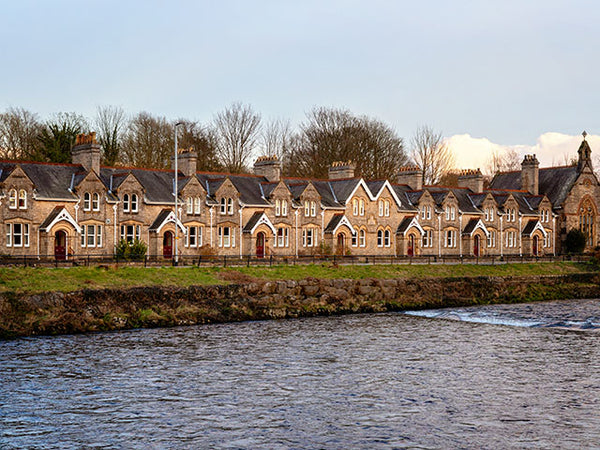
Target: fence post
224,260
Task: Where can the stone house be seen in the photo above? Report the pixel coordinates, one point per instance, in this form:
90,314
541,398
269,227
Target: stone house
64,210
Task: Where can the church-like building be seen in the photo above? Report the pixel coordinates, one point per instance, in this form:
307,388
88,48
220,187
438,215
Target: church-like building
68,210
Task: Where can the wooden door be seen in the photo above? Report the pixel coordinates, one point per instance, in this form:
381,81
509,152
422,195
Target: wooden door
168,244
260,245
60,245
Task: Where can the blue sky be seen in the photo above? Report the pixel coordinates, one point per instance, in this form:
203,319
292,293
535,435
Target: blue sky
507,71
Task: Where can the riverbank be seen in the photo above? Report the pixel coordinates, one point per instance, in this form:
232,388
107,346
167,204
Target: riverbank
240,296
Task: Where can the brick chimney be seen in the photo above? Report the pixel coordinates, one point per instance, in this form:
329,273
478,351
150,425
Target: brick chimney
471,179
530,174
412,176
341,169
87,152
187,162
268,167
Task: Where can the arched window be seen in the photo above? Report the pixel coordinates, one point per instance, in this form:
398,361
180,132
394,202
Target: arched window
126,203
586,221
197,207
190,205
86,201
380,208
134,203
96,201
379,238
230,206
22,199
277,207
361,205
354,207
386,207
12,199
223,206
284,207
362,237
387,238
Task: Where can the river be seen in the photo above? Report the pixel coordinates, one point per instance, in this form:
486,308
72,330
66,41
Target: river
517,376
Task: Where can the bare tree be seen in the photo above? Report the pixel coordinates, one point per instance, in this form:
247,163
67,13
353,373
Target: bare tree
19,129
236,130
110,123
275,138
148,142
331,134
202,140
432,154
58,136
504,160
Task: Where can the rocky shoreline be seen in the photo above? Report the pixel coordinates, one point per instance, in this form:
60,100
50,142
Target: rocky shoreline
89,310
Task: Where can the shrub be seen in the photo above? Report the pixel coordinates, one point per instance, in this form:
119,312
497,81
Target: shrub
131,250
575,241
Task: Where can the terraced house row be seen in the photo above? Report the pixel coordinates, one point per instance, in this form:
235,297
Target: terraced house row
64,210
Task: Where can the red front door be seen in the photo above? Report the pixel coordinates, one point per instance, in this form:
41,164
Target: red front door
476,246
60,245
168,245
260,245
535,246
410,251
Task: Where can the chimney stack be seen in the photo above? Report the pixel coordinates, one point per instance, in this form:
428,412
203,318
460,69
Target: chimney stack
530,174
412,176
471,179
87,152
341,169
187,162
268,167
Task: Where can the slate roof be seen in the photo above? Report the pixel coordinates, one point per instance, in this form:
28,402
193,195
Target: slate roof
470,227
333,223
296,187
50,180
50,218
327,193
402,192
343,188
554,182
375,186
404,224
162,216
529,227
252,221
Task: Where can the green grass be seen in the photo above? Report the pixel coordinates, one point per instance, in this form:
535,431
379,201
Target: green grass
35,280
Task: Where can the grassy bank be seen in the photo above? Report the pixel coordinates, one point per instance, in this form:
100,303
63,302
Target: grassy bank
36,280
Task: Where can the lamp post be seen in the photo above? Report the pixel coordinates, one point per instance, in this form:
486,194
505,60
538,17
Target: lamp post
176,193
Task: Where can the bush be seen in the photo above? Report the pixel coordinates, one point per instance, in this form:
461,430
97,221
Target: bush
575,241
131,250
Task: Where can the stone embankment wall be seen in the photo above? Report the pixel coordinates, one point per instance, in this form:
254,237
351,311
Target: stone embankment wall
114,309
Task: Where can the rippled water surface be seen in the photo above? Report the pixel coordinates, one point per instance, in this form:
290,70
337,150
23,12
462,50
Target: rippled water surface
519,376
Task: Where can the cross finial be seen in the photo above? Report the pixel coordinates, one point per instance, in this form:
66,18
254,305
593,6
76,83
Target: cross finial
584,134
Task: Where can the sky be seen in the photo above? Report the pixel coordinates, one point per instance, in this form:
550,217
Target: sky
520,74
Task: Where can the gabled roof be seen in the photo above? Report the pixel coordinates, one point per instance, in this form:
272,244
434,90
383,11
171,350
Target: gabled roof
408,223
327,193
337,221
258,218
59,213
475,224
51,181
532,226
164,217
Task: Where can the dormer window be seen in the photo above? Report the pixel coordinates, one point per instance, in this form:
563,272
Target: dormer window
361,207
22,199
86,201
313,209
134,203
197,208
227,206
12,199
130,203
277,208
126,203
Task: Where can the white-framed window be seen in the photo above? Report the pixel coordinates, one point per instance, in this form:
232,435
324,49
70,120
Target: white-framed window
197,205
277,208
230,206
450,239
17,235
354,207
284,207
223,206
313,209
491,239
126,203
134,203
87,201
548,240
511,215
131,232
95,201
193,236
282,238
387,238
452,212
379,238
226,236
12,199
428,208
380,208
428,238
91,235
22,199
354,240
309,237
511,239
386,207
361,207
189,202
362,237
306,208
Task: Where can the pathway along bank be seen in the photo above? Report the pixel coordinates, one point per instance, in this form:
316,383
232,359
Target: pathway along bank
116,309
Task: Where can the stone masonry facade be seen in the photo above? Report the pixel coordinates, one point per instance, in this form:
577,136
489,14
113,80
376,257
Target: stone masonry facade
65,210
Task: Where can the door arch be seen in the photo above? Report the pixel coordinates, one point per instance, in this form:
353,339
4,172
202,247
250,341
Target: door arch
476,245
341,244
60,245
260,245
168,244
410,249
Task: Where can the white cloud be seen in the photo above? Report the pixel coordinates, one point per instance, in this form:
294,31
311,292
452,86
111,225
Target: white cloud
551,149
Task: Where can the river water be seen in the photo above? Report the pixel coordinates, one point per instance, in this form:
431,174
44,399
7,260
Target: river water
518,376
